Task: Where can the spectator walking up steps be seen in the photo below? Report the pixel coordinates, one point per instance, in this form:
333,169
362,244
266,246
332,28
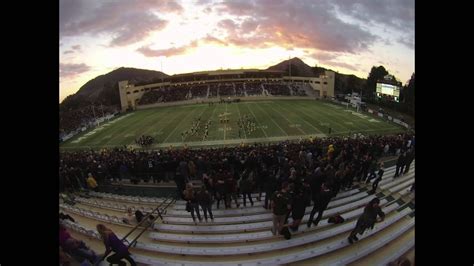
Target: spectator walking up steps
280,206
400,164
205,201
192,203
113,244
378,179
298,208
409,159
367,219
321,201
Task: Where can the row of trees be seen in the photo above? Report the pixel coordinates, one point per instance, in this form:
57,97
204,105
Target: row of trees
350,83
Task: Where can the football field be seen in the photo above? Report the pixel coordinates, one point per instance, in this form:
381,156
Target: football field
263,121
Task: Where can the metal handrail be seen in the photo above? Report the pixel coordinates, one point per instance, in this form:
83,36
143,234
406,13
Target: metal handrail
134,241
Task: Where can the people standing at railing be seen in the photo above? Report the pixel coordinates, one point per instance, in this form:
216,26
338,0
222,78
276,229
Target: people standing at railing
367,219
205,201
192,203
114,244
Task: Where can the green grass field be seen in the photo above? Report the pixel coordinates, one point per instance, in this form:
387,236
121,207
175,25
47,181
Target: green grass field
276,120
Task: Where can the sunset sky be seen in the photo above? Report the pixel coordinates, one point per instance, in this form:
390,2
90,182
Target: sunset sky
180,36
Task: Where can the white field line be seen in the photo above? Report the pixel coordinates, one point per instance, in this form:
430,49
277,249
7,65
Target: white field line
273,121
259,122
310,123
240,118
164,141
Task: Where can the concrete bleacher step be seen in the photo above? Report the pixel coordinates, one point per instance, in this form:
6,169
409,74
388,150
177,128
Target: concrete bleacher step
250,226
185,219
255,236
391,251
365,245
265,247
308,251
273,256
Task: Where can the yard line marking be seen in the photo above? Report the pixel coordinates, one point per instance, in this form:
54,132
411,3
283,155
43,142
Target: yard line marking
304,120
240,118
164,141
225,126
289,122
273,121
204,109
259,122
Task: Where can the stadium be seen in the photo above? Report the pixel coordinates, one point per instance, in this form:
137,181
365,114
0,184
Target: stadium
288,165
258,106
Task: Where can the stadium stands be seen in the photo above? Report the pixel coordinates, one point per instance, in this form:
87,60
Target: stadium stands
325,244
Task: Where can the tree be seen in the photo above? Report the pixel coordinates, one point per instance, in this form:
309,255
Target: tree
376,73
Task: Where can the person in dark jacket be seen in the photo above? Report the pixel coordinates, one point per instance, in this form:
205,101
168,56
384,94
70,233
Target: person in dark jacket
190,197
246,185
400,164
269,186
367,219
409,159
321,202
205,201
298,208
230,188
379,177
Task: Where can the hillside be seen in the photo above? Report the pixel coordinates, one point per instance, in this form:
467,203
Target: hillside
104,88
343,83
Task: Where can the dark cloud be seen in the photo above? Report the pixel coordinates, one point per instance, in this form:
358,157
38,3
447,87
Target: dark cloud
212,39
287,23
398,14
72,70
76,47
68,52
148,52
341,64
408,41
127,21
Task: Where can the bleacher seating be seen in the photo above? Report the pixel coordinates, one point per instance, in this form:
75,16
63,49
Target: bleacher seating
240,232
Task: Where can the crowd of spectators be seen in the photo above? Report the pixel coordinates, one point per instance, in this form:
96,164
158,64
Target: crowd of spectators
71,120
213,89
253,88
298,90
226,89
277,88
199,91
358,154
239,89
184,92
